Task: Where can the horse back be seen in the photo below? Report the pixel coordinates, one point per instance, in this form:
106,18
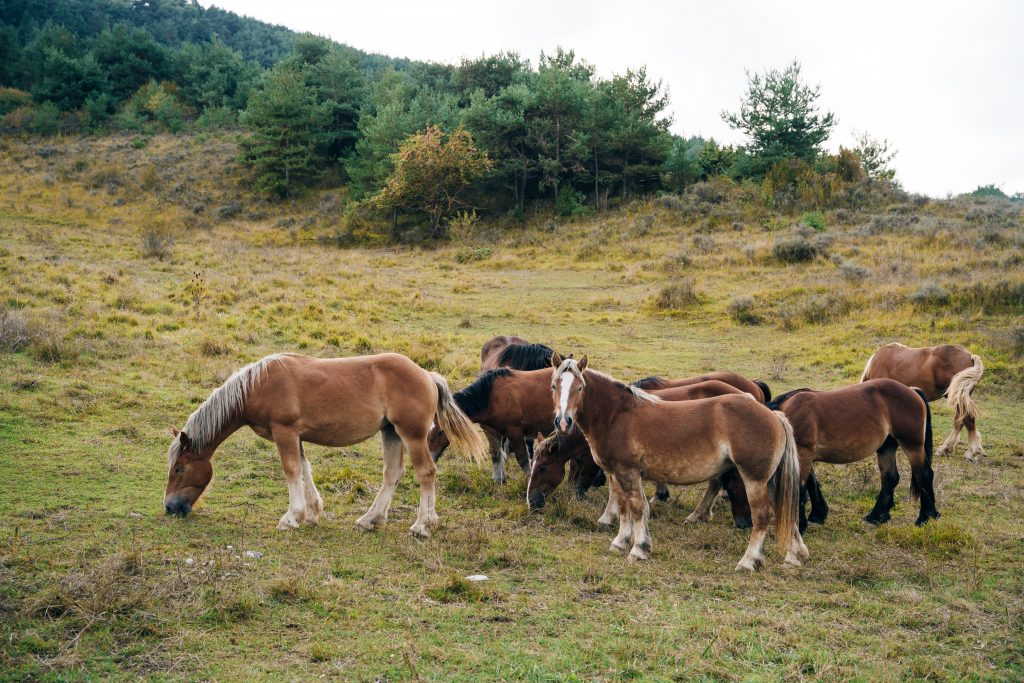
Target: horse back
929,368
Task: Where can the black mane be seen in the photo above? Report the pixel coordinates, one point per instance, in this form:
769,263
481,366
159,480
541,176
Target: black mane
648,383
473,399
782,398
526,356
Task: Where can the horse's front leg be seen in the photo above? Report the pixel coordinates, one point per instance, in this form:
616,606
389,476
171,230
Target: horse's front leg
518,443
497,447
611,510
290,449
623,539
702,513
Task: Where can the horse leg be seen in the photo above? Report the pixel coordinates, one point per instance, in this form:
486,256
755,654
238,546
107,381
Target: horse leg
377,515
426,475
497,447
732,482
702,513
948,446
660,493
314,502
624,538
921,480
974,448
802,522
819,508
760,509
890,478
290,449
639,510
518,443
611,510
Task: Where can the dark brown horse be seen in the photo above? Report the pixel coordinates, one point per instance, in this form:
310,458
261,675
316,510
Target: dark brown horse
950,371
516,353
633,434
849,424
291,399
552,455
510,403
755,387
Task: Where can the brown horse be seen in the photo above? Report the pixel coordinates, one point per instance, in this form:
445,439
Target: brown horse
552,454
950,371
848,424
516,353
510,403
634,434
290,399
755,388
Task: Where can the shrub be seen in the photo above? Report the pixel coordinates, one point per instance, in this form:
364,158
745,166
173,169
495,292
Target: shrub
813,219
156,243
930,294
705,244
741,308
853,272
825,308
677,262
797,249
472,254
14,331
569,202
50,345
677,295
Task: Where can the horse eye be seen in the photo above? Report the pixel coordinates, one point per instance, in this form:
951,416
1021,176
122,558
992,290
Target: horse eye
579,388
179,469
552,387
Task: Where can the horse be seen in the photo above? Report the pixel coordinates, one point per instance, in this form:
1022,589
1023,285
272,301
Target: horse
510,351
552,454
291,399
509,403
755,387
950,371
633,433
846,425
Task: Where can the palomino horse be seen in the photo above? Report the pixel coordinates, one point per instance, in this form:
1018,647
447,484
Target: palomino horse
633,434
950,371
552,454
516,353
509,403
755,387
290,399
849,424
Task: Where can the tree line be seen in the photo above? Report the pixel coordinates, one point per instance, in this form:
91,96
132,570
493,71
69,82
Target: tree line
408,139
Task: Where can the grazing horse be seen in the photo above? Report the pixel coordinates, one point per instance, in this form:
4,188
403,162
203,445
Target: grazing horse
509,403
846,425
950,371
552,454
755,388
633,434
518,354
290,399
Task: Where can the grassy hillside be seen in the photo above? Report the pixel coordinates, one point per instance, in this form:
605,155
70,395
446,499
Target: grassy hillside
136,277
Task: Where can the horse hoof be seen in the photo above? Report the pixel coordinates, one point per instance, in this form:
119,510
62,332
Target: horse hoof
286,523
744,523
614,548
877,520
750,564
817,519
605,521
419,530
369,524
638,554
792,560
694,518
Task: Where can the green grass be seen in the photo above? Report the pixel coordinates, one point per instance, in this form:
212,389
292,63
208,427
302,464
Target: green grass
96,583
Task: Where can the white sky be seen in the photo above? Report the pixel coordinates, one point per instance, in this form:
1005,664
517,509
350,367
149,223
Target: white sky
943,81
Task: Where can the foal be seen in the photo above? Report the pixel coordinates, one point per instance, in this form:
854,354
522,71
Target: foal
634,434
950,371
291,399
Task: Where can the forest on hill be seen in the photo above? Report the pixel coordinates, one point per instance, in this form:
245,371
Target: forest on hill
417,147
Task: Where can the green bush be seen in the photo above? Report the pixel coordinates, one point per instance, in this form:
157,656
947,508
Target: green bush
813,219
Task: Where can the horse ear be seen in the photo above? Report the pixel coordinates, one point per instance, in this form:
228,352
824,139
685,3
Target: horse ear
556,359
583,363
540,437
173,431
185,440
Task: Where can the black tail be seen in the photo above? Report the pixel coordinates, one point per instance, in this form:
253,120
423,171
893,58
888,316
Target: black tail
648,383
764,390
914,488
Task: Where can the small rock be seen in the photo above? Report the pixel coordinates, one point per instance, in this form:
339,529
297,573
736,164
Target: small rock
189,561
476,577
255,554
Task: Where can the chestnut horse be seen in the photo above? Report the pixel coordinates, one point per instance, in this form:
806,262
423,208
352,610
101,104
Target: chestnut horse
510,351
848,424
633,434
950,371
290,399
509,403
755,388
552,454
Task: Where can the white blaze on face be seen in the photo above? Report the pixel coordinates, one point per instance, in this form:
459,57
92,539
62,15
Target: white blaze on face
563,400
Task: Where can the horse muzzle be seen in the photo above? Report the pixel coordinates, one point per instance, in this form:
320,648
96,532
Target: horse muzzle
536,500
563,424
177,506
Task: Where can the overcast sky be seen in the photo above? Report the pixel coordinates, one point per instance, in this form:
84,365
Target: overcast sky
942,81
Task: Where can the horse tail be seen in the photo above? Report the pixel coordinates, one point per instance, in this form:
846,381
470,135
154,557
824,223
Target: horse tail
764,390
786,482
867,367
958,395
455,424
915,489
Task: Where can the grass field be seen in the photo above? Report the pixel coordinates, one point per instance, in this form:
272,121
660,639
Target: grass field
102,346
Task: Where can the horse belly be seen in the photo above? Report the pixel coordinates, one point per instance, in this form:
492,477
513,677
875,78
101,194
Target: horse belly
686,466
342,429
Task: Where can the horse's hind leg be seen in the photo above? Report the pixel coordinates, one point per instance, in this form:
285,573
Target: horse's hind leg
624,538
290,449
948,446
702,513
890,478
496,444
921,482
393,471
660,493
819,508
760,510
639,511
426,475
314,502
611,510
974,448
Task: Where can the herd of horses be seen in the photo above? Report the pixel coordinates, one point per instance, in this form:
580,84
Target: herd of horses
555,413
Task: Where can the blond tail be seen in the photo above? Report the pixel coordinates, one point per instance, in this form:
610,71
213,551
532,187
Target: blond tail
867,368
960,388
455,424
787,487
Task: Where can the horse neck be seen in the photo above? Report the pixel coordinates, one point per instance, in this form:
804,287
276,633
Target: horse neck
601,403
227,430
